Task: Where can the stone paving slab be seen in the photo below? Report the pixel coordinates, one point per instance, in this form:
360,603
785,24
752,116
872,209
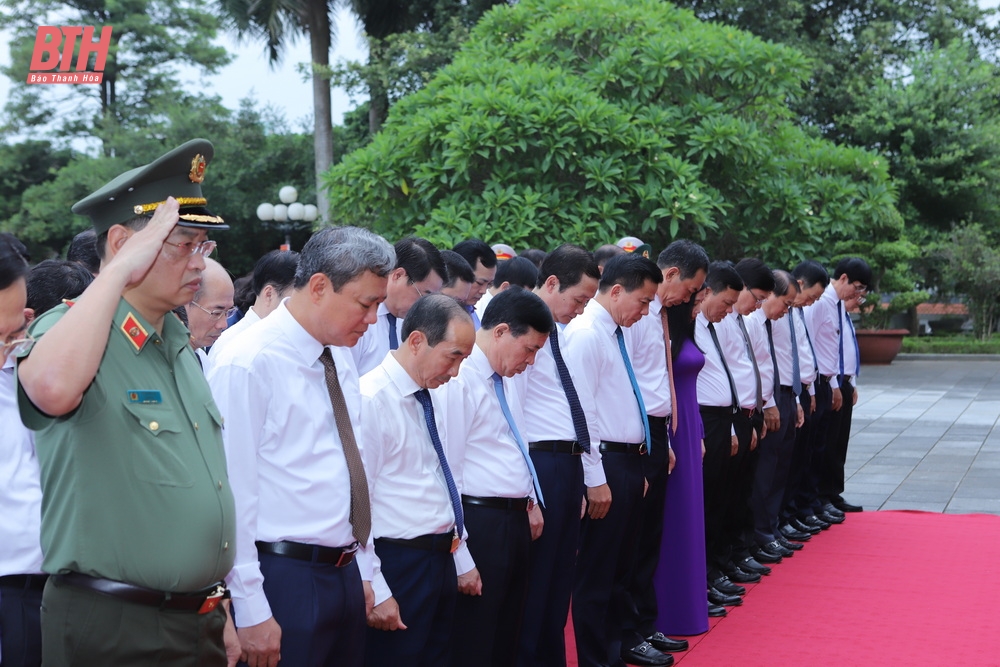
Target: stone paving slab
926,436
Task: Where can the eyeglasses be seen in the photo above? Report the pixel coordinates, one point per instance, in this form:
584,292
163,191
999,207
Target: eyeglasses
216,315
204,248
16,347
860,288
417,290
760,302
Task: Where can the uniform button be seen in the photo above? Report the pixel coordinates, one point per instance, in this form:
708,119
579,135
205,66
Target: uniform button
225,546
154,426
196,426
156,342
220,485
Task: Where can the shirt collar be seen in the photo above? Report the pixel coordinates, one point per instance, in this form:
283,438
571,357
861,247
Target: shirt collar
130,324
480,363
398,376
602,318
300,340
655,305
382,310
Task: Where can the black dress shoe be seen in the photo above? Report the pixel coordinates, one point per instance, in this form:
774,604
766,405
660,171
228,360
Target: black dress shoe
791,533
718,597
775,547
741,576
764,556
845,506
830,509
794,546
829,518
723,585
716,610
665,644
645,654
799,524
751,564
816,522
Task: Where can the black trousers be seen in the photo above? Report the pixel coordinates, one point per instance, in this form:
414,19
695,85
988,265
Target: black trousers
800,461
20,621
424,585
742,469
808,498
321,611
773,463
488,627
552,561
718,422
641,611
605,563
838,437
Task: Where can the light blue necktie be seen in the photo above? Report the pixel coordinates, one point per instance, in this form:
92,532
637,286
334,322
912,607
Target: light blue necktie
796,371
635,387
498,387
393,336
840,328
857,352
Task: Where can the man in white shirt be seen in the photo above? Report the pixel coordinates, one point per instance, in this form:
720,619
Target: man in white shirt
511,272
684,265
207,312
291,403
481,413
562,438
460,276
837,356
775,450
21,577
419,271
273,275
483,261
597,351
417,513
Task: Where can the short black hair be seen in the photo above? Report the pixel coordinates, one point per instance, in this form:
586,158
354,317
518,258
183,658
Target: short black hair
243,294
276,268
418,257
721,276
569,264
476,250
783,281
519,309
53,280
631,271
606,252
431,314
857,270
458,268
535,256
811,272
755,274
516,272
686,255
83,250
13,260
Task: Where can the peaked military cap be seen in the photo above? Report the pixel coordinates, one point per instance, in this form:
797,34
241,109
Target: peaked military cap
503,251
138,192
633,244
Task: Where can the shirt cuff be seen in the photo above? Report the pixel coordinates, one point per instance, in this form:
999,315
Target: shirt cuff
593,468
463,559
381,589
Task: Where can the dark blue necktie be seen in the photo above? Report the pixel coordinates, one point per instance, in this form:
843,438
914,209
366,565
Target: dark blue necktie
502,397
774,357
635,387
456,501
575,409
796,370
809,340
729,375
393,336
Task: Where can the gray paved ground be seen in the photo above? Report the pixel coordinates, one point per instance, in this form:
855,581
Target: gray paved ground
926,436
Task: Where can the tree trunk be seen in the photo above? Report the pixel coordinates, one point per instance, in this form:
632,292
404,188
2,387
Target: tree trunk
319,42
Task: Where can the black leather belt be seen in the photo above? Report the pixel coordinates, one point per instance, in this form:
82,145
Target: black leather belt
434,542
720,410
314,553
825,379
785,387
202,601
557,446
623,447
748,412
27,582
514,504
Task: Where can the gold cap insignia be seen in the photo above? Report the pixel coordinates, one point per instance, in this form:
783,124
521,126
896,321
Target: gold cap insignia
198,164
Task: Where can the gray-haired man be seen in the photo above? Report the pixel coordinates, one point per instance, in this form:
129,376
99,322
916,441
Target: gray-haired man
289,393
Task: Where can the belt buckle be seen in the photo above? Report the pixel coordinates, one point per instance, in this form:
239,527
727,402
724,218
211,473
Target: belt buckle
213,599
642,449
455,540
346,555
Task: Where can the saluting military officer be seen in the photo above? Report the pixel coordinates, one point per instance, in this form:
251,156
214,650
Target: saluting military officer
137,513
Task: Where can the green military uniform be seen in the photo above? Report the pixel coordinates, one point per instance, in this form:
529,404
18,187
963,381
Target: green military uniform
134,480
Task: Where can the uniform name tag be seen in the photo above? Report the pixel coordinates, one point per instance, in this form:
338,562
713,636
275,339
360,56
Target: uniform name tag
145,396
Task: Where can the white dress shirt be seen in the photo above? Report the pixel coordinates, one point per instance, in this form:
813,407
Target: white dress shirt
484,301
782,337
372,346
851,362
713,382
227,336
484,457
737,356
824,326
807,363
757,329
409,495
592,351
286,461
20,490
546,408
647,352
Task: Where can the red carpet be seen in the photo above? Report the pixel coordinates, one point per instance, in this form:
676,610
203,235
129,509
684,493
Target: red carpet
882,589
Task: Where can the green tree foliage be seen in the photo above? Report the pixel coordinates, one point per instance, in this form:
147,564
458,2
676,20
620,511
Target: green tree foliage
150,39
586,120
973,270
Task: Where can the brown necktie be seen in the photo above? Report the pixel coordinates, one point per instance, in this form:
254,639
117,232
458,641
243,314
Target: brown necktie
361,511
670,371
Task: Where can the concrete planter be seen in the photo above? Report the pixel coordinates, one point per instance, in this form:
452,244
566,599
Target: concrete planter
880,346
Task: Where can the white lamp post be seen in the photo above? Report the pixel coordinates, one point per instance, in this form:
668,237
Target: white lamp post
289,215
